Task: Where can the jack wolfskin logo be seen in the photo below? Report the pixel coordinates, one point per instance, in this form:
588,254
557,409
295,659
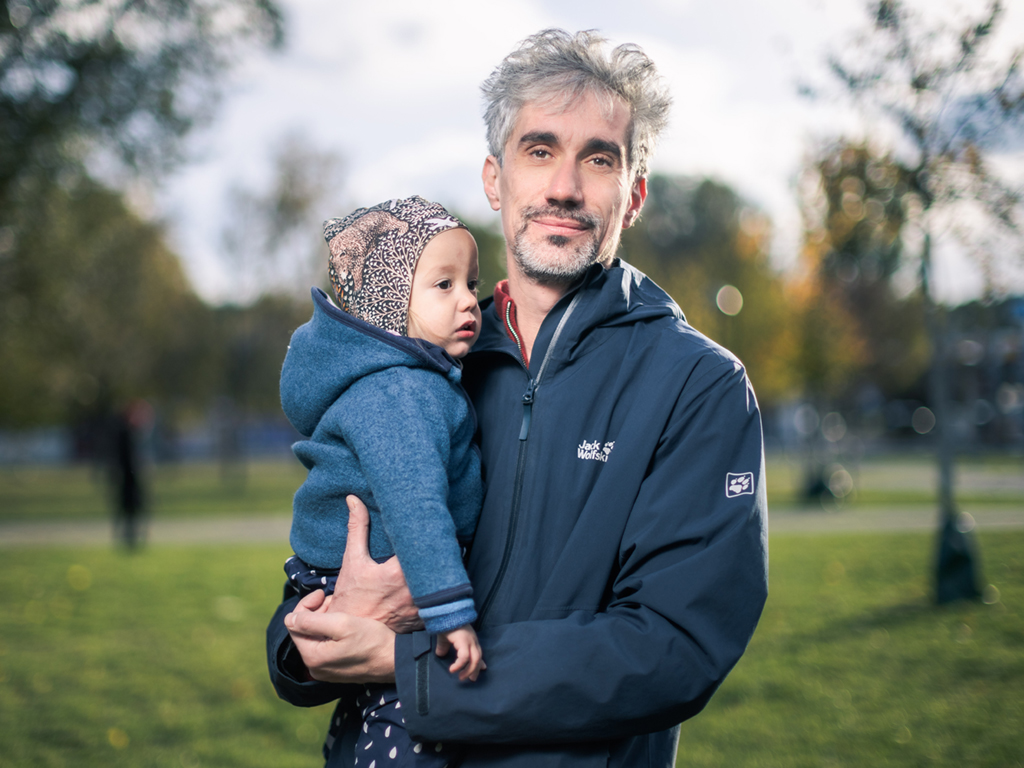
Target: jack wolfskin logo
739,485
595,450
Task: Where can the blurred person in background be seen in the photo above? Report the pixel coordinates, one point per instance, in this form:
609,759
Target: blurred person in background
127,476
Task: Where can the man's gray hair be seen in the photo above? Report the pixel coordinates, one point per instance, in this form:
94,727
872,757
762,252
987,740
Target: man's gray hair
556,64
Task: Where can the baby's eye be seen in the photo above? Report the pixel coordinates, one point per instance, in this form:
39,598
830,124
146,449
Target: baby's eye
474,285
444,285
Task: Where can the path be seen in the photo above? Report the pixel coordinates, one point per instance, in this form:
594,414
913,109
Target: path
274,528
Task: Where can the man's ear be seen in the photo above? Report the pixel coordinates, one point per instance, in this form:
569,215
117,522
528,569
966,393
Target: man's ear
490,175
636,201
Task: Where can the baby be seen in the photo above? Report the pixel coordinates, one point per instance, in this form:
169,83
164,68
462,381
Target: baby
374,388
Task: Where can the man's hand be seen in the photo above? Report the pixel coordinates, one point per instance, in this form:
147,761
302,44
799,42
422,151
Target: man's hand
369,589
340,648
468,656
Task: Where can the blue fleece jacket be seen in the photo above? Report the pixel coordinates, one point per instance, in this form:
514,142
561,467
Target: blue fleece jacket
386,419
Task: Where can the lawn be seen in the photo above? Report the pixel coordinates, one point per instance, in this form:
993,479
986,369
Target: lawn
156,659
851,665
147,659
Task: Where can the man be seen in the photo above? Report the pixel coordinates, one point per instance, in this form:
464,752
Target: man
620,563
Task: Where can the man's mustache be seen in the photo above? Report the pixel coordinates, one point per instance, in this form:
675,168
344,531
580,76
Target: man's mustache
580,217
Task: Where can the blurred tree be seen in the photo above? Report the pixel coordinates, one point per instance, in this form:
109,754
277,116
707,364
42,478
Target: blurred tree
830,350
855,205
95,305
123,78
92,302
955,103
253,340
250,344
491,247
699,241
272,240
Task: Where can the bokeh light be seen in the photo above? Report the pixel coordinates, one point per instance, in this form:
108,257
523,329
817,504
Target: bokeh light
79,578
729,300
118,739
806,420
833,427
840,483
923,420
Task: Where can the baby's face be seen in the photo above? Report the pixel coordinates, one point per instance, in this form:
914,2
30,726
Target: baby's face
443,307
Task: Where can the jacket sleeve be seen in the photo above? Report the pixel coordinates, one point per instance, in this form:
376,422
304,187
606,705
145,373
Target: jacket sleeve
401,434
682,605
287,672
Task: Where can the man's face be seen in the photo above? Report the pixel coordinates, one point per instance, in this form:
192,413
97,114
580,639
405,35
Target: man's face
564,189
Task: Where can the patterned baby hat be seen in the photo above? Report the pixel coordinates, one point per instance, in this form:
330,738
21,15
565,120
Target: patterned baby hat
374,253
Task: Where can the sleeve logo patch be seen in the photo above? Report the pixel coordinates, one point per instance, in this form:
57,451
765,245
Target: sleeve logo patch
741,484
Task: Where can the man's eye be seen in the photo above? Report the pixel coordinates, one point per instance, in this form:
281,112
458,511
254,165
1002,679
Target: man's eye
540,154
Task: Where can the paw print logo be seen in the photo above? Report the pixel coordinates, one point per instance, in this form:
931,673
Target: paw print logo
608,447
741,484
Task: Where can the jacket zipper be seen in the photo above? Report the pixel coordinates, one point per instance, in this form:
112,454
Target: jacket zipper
513,332
524,435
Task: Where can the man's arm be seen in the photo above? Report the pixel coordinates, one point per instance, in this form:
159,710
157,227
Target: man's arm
301,655
341,647
288,673
690,587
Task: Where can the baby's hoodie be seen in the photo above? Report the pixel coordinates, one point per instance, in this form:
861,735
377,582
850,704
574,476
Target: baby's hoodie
384,417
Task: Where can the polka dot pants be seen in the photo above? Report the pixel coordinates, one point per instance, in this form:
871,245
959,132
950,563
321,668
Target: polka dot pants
383,741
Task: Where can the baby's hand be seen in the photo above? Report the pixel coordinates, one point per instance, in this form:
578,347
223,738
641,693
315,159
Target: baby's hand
469,656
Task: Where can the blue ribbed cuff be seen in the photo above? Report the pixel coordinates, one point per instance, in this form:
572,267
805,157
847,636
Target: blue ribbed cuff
445,618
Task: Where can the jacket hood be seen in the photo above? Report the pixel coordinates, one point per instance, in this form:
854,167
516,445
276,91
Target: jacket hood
334,349
618,295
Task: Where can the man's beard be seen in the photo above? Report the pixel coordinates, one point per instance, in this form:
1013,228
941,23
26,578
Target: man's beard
553,260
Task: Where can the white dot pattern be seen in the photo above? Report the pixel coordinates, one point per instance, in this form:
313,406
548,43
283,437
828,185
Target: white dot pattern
384,740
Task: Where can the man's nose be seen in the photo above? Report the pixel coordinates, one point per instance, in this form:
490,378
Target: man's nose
565,185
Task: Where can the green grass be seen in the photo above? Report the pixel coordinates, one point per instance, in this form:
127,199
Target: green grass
852,665
151,659
156,659
182,490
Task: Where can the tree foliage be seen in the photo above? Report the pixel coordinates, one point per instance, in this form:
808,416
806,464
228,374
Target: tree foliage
956,105
93,300
272,238
93,304
491,247
125,77
696,237
856,203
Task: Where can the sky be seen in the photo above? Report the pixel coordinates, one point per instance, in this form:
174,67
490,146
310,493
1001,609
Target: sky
392,89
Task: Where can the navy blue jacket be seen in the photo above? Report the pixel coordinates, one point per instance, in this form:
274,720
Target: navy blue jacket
620,562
